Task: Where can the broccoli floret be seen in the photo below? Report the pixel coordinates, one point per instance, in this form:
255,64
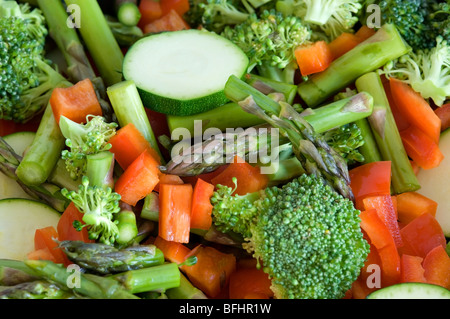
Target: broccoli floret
269,40
346,141
83,140
330,17
26,77
98,205
418,21
220,13
307,236
427,71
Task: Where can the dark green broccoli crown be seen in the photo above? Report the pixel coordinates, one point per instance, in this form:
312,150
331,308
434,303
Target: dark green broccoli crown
309,240
419,21
18,50
307,236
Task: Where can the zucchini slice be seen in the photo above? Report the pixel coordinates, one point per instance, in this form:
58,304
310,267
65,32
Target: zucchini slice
183,72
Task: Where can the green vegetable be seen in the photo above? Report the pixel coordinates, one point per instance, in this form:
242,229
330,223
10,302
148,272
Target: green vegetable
68,42
183,72
38,289
150,208
216,14
426,71
315,155
91,286
13,272
385,45
332,17
99,40
418,21
128,14
185,290
158,278
331,120
128,107
27,77
83,140
411,290
236,117
98,205
269,40
387,136
126,36
126,224
99,169
306,236
105,259
47,193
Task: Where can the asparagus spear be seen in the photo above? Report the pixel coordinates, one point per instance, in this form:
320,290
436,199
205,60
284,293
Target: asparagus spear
186,290
100,41
315,155
156,278
206,156
91,286
13,272
386,45
68,42
39,289
387,136
46,192
106,259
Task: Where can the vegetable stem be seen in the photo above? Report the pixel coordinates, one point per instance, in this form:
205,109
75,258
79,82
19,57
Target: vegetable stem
99,169
128,106
157,278
44,152
385,45
99,40
387,136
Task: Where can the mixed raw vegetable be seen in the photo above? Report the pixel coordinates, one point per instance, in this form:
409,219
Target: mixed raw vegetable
254,149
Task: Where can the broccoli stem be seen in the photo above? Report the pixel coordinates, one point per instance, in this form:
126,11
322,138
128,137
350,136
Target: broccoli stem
128,107
387,136
43,153
100,40
156,278
186,290
92,286
60,176
126,223
99,169
369,150
384,46
236,117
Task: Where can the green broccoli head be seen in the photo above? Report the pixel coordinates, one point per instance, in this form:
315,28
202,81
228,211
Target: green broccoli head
83,140
418,21
99,206
307,236
26,79
269,38
427,71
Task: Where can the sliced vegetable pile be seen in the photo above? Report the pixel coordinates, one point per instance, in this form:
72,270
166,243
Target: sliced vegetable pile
225,149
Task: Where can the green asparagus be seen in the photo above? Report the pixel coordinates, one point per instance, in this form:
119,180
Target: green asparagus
39,289
106,259
315,155
385,45
387,136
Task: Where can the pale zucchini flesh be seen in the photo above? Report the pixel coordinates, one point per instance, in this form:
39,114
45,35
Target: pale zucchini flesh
435,184
19,220
411,291
183,72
